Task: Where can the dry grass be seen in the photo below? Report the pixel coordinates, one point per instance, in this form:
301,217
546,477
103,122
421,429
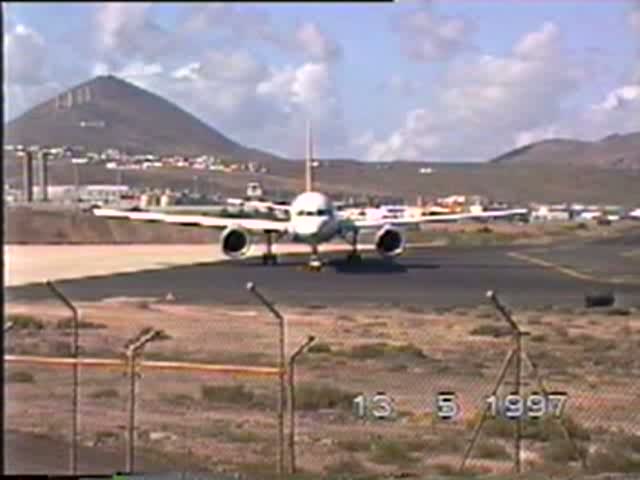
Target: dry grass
232,418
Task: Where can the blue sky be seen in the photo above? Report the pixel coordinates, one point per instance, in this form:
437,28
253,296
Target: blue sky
416,80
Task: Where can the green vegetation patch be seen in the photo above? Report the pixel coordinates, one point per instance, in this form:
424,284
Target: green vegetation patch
391,452
491,330
20,377
67,323
105,393
386,351
237,395
24,322
320,347
178,399
318,397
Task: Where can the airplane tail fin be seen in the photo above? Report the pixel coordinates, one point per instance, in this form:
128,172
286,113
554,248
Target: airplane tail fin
309,160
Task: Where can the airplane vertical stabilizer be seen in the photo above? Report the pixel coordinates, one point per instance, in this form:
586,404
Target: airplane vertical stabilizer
309,160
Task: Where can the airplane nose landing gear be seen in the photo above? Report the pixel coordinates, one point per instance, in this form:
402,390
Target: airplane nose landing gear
315,264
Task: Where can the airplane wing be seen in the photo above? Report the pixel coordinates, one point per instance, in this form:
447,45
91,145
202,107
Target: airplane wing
252,224
381,222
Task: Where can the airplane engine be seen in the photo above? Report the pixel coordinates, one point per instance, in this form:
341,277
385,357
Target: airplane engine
235,242
390,242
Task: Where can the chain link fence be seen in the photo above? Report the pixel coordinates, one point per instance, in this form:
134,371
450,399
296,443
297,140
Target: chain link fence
371,391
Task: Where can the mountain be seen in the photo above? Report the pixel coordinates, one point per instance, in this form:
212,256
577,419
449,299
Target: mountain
109,112
618,151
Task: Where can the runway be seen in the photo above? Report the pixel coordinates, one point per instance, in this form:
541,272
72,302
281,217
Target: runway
430,277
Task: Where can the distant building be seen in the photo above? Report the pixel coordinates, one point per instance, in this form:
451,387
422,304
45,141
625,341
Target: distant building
101,194
254,190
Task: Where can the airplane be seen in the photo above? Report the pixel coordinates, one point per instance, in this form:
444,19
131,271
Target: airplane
313,220
634,214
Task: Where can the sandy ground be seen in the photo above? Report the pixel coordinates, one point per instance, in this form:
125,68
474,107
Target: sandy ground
26,264
410,354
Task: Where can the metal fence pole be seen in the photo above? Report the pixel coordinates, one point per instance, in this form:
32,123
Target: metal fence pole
133,348
74,353
292,403
282,391
517,334
131,368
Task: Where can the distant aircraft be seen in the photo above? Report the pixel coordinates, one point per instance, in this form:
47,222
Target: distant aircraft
313,220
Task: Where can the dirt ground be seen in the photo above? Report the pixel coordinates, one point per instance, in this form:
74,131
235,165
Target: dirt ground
226,423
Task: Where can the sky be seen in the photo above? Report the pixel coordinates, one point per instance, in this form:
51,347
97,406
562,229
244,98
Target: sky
420,80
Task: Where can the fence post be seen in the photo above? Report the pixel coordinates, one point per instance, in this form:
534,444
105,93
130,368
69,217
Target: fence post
282,391
74,353
132,349
292,403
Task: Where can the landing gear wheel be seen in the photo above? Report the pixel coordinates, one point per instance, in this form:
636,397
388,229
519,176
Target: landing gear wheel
315,265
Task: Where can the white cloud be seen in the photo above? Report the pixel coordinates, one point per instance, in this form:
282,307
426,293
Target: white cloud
527,137
308,91
427,36
483,106
540,44
620,98
25,56
139,69
260,106
126,32
237,65
316,44
30,75
190,71
634,17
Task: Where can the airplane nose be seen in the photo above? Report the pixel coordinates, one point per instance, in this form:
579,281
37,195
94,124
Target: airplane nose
311,227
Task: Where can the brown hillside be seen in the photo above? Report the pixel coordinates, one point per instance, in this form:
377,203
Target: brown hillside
134,120
618,151
517,183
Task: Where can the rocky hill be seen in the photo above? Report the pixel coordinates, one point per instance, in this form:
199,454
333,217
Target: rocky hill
109,112
616,151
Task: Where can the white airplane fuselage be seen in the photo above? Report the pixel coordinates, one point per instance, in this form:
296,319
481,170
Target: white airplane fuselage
313,219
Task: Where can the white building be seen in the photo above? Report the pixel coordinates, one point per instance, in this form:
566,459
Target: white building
85,193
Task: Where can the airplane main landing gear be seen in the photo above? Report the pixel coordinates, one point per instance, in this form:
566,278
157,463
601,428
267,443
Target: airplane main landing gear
354,255
269,258
315,264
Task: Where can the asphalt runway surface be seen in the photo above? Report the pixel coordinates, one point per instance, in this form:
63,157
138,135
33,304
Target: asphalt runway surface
431,277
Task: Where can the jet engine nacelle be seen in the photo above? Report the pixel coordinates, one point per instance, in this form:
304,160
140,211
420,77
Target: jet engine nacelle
235,242
390,242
